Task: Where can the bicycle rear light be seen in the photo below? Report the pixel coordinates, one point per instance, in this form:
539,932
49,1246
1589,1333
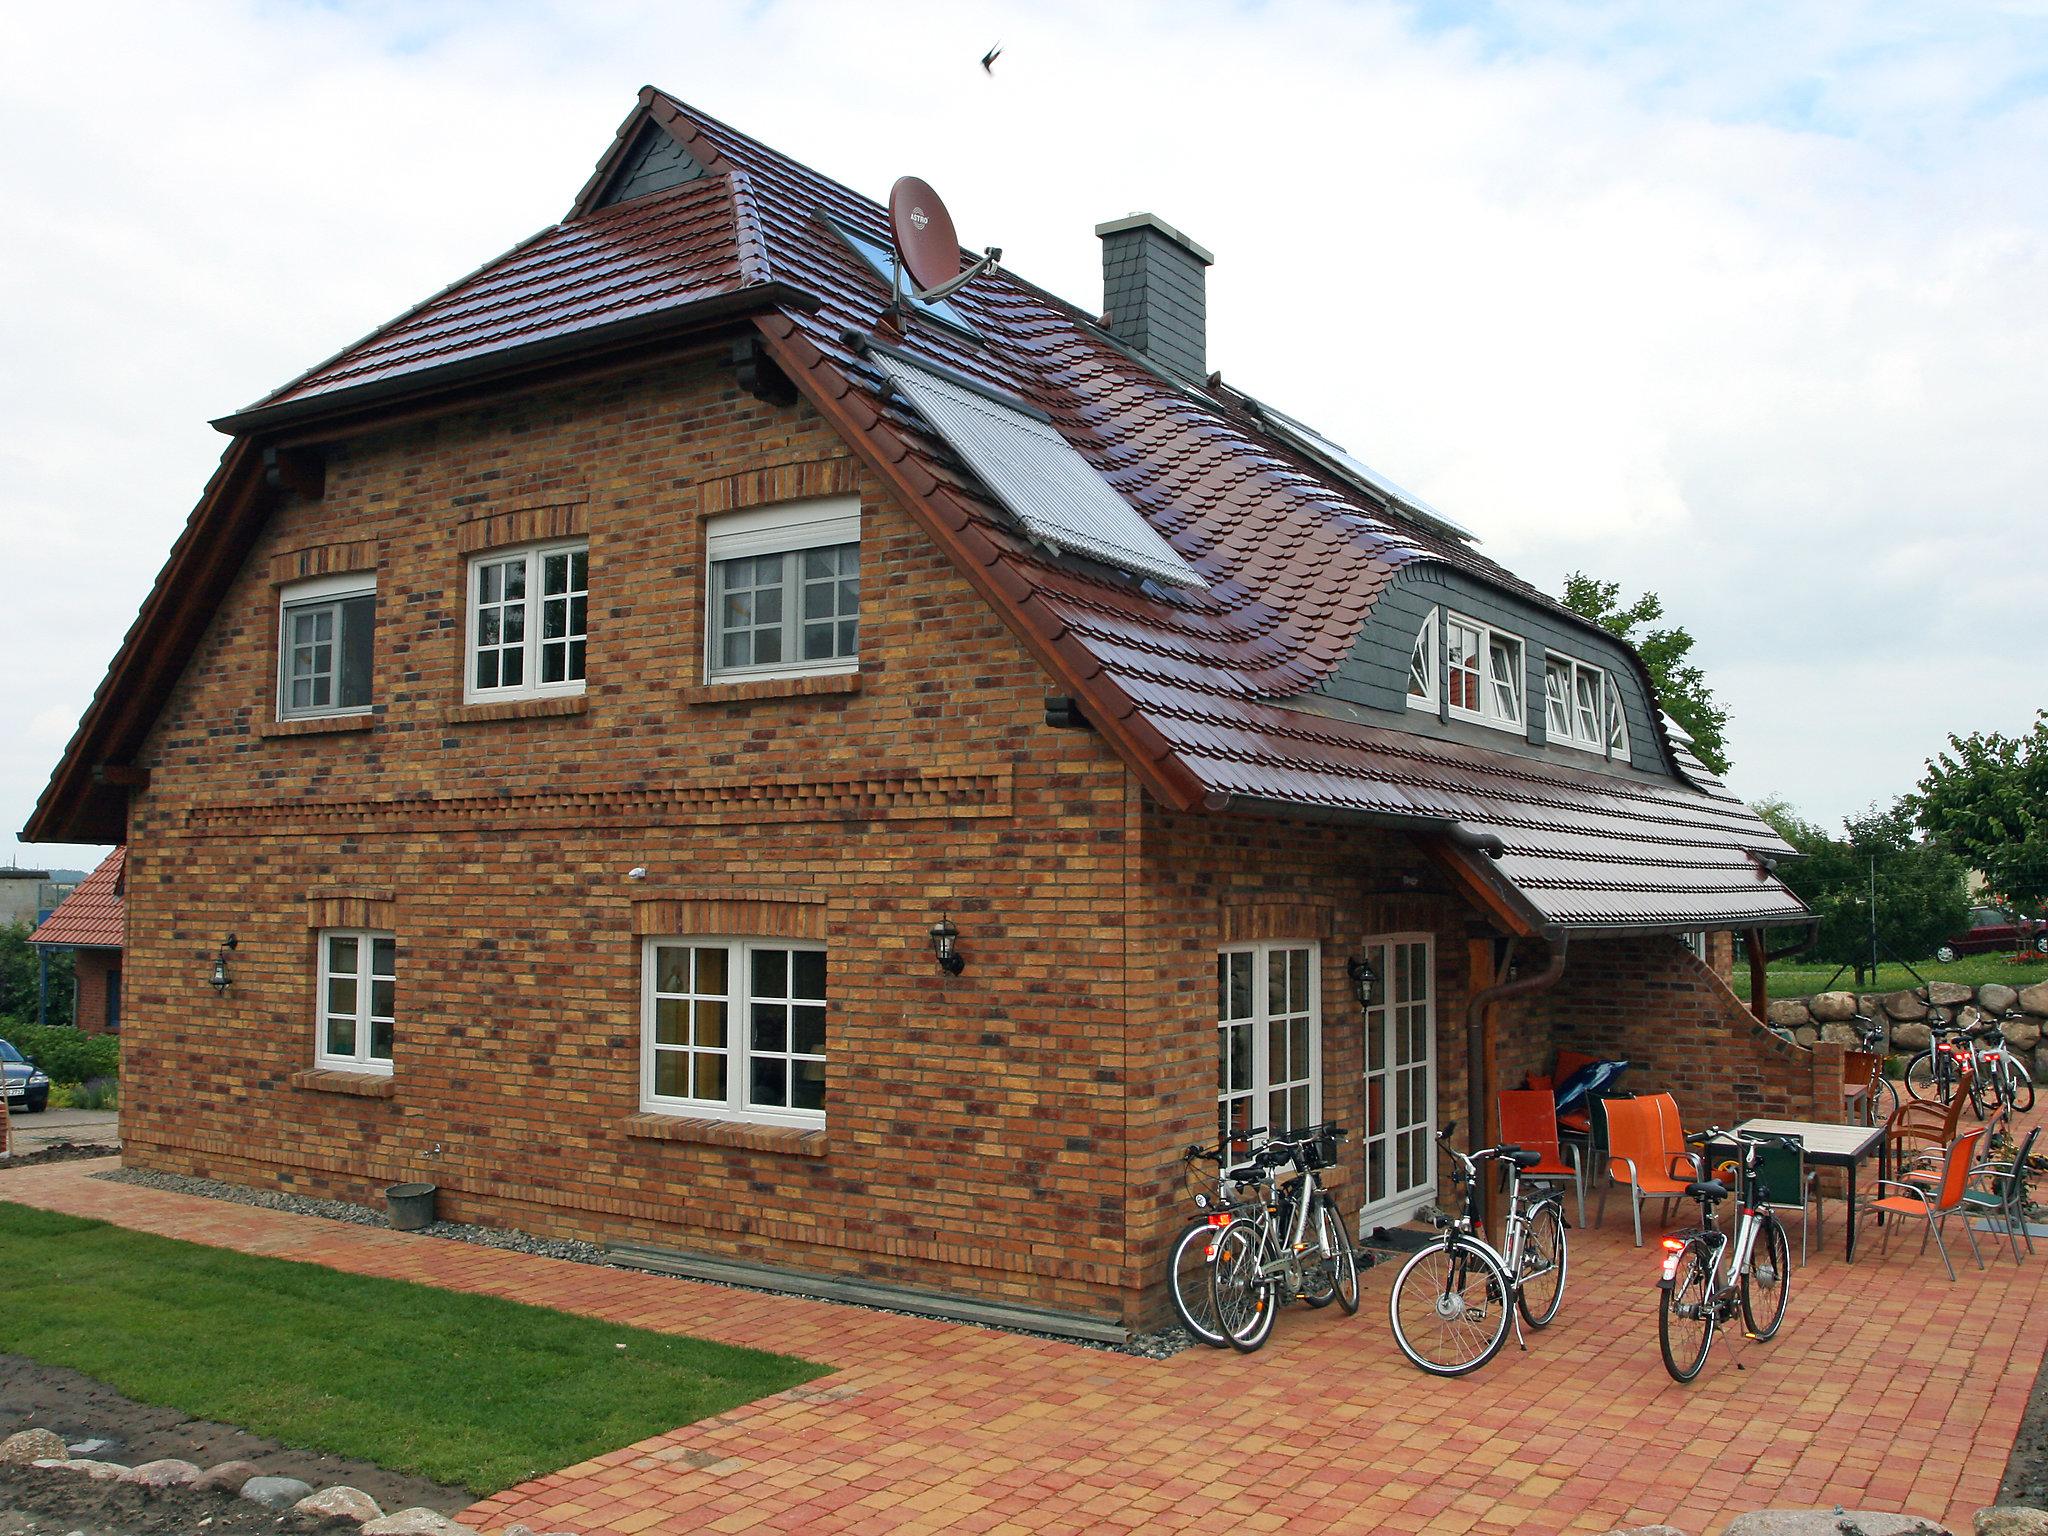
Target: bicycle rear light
1673,1247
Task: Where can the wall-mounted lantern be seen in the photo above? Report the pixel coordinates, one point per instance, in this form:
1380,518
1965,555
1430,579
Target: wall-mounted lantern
220,977
1365,981
946,947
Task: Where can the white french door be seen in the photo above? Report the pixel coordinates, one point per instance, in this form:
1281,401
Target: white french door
1400,1080
1269,1047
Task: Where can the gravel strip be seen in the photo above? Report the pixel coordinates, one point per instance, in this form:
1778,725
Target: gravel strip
1150,1346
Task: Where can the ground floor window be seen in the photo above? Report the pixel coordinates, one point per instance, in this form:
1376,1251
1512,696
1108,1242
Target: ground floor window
1269,1037
1400,1077
734,1028
358,999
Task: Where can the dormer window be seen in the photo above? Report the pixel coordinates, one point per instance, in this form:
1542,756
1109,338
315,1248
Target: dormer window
1480,674
1582,707
1422,664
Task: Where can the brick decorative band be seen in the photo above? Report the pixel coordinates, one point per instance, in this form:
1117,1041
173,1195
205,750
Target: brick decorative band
324,560
352,909
884,795
771,917
560,519
783,482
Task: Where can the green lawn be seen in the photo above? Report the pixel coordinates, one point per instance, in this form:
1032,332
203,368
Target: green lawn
1795,978
467,1390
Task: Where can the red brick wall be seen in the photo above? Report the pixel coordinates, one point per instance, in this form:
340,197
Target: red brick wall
93,969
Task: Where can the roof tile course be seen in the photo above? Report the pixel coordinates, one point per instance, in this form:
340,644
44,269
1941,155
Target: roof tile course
91,917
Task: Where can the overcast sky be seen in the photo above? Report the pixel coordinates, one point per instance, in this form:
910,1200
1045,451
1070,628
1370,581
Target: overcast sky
1747,305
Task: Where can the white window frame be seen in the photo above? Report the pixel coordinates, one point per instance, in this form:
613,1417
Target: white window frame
787,529
360,1060
1610,737
530,686
738,1048
1260,1019
323,591
1489,713
1423,650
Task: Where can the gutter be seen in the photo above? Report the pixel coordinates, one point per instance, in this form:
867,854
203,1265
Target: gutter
1478,1079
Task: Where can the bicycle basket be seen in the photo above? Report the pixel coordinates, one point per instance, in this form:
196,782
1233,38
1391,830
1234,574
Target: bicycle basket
1320,1150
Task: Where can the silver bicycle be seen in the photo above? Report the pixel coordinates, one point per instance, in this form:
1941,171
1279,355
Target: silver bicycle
1286,1240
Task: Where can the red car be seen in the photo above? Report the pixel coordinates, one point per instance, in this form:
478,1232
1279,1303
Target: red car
1995,928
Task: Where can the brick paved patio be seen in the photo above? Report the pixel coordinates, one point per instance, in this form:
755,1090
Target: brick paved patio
932,1427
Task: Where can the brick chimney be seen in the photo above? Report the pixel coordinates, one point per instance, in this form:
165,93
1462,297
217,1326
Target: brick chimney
1153,293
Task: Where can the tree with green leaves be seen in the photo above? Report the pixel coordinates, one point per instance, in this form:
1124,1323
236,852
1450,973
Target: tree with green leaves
1986,801
18,968
1922,889
1681,686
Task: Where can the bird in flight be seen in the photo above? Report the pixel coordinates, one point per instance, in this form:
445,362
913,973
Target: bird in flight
988,59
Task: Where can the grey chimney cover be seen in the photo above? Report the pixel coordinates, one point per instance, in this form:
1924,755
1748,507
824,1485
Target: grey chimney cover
1154,293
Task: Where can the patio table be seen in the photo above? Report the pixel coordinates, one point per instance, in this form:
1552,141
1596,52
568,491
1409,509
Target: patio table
1832,1146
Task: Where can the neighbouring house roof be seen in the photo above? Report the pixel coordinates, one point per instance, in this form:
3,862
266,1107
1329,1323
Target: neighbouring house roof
1195,684
91,916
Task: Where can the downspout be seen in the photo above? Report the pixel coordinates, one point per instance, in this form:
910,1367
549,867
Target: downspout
1479,1088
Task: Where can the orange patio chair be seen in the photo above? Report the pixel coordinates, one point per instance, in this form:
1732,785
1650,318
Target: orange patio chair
1646,1151
1934,1205
1528,1119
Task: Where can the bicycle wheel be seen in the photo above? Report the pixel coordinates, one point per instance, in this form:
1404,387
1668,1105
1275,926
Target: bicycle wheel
1194,1299
2022,1082
1245,1304
1449,1307
1685,1316
1545,1262
1925,1081
1884,1101
1767,1283
1319,1264
1336,1239
1984,1091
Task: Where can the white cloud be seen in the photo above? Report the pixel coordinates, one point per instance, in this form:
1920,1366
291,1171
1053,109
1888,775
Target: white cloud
1746,307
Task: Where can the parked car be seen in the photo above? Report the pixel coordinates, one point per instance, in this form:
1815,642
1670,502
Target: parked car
28,1086
1995,928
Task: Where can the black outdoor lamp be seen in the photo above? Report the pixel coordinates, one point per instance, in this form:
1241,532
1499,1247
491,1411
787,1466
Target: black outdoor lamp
945,945
220,977
1365,981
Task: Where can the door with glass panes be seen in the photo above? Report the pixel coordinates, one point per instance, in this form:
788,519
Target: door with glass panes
1400,1080
1268,1037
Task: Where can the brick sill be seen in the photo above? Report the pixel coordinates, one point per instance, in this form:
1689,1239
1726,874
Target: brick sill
788,1139
515,709
318,725
362,1085
772,688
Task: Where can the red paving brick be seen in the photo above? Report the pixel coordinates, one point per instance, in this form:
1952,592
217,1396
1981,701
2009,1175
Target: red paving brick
1862,1400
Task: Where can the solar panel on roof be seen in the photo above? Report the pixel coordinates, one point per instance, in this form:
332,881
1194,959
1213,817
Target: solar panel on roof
1360,473
1054,493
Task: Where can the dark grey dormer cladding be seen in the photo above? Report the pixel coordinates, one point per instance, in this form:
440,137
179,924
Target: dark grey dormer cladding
1373,679
653,162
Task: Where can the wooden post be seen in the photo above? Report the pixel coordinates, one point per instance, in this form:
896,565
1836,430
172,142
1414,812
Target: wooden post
1484,1123
1759,986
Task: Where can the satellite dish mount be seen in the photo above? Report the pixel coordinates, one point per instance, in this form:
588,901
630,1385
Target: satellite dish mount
925,253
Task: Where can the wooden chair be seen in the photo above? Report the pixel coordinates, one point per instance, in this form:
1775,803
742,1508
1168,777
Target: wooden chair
1646,1151
1858,1068
1936,1204
1528,1119
1916,1127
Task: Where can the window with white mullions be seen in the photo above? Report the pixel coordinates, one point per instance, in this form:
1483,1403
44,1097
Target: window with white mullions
1482,673
735,1028
1269,1044
783,586
1617,721
325,631
528,621
358,986
1582,707
1422,664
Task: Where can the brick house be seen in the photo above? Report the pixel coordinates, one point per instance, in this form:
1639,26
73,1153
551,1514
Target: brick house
583,698
91,924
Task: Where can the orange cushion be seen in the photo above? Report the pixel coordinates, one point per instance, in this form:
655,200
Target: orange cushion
1540,1080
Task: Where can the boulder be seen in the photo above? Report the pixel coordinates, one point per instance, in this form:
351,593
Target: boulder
1911,1038
275,1492
2011,1520
2035,999
417,1521
28,1445
1830,1522
1832,1007
1841,1034
1969,1016
169,1472
339,1502
98,1471
1806,1034
228,1477
1789,1013
1948,994
1906,1005
1996,996
2023,1034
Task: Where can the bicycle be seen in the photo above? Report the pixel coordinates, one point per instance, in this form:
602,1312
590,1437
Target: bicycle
1974,1061
1697,1294
1291,1236
1882,1099
1460,1292
1188,1267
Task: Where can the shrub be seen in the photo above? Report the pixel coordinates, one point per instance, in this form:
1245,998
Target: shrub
68,1055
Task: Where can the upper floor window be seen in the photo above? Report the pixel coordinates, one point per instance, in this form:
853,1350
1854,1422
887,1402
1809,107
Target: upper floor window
734,1028
1582,707
783,590
1422,664
324,631
358,999
528,621
1482,673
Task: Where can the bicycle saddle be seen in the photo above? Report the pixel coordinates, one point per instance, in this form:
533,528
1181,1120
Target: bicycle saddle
1707,1189
1521,1158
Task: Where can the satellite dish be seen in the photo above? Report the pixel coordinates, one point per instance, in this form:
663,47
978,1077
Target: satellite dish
926,248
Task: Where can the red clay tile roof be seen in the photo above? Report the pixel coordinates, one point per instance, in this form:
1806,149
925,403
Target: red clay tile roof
1192,687
91,916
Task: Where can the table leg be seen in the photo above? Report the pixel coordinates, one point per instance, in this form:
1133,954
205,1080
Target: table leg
1850,1246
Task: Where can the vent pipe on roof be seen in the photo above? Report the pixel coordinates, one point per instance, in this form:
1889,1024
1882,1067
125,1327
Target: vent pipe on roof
1154,293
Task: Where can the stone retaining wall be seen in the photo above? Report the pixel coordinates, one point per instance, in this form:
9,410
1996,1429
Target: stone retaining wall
1826,1015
